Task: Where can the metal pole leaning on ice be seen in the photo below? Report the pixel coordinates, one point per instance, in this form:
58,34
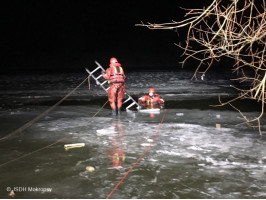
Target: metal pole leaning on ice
96,75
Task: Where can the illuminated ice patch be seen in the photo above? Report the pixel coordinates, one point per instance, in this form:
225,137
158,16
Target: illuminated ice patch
106,131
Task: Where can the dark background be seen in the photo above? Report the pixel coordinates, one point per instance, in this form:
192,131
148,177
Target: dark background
56,35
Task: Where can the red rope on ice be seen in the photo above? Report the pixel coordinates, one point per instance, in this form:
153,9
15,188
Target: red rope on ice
142,155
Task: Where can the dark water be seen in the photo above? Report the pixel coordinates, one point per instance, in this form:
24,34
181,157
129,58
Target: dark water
190,158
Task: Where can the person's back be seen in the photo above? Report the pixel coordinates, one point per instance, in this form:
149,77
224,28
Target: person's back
116,77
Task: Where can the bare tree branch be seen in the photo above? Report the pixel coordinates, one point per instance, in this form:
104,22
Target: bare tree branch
234,29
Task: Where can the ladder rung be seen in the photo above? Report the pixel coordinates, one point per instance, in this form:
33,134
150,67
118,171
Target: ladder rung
104,82
130,105
95,70
98,77
127,100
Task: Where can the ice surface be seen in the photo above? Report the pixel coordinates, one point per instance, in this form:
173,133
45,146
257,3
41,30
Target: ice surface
190,157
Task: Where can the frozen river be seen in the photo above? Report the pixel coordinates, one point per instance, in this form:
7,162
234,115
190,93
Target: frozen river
189,158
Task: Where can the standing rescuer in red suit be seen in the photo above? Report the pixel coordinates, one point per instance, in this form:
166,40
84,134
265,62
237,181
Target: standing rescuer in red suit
116,77
151,100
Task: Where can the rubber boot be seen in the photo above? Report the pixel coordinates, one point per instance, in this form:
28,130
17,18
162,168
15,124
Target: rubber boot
118,111
114,112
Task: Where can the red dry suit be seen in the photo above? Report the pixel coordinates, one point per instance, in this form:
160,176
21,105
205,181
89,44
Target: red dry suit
115,75
150,101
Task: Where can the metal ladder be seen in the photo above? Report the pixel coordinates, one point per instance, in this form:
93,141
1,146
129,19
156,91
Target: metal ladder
96,74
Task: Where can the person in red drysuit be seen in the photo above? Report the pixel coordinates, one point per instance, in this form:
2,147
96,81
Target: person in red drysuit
153,100
116,76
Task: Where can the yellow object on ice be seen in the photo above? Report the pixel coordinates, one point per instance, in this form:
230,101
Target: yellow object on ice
90,169
218,125
12,193
71,146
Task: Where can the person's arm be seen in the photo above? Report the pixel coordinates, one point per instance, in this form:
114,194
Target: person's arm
106,75
158,99
143,99
161,101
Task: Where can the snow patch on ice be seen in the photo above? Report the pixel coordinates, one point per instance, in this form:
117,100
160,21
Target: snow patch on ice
145,144
171,153
195,148
107,131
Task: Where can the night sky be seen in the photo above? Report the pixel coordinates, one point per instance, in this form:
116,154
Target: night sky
39,35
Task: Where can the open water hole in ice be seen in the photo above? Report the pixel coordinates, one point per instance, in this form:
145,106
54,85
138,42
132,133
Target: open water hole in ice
190,158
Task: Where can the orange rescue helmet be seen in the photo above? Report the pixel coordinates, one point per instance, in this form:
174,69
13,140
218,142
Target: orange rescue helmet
114,62
151,91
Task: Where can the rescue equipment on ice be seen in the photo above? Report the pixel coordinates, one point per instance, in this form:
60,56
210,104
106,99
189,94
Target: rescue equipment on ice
11,193
151,110
90,169
96,74
71,146
218,125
